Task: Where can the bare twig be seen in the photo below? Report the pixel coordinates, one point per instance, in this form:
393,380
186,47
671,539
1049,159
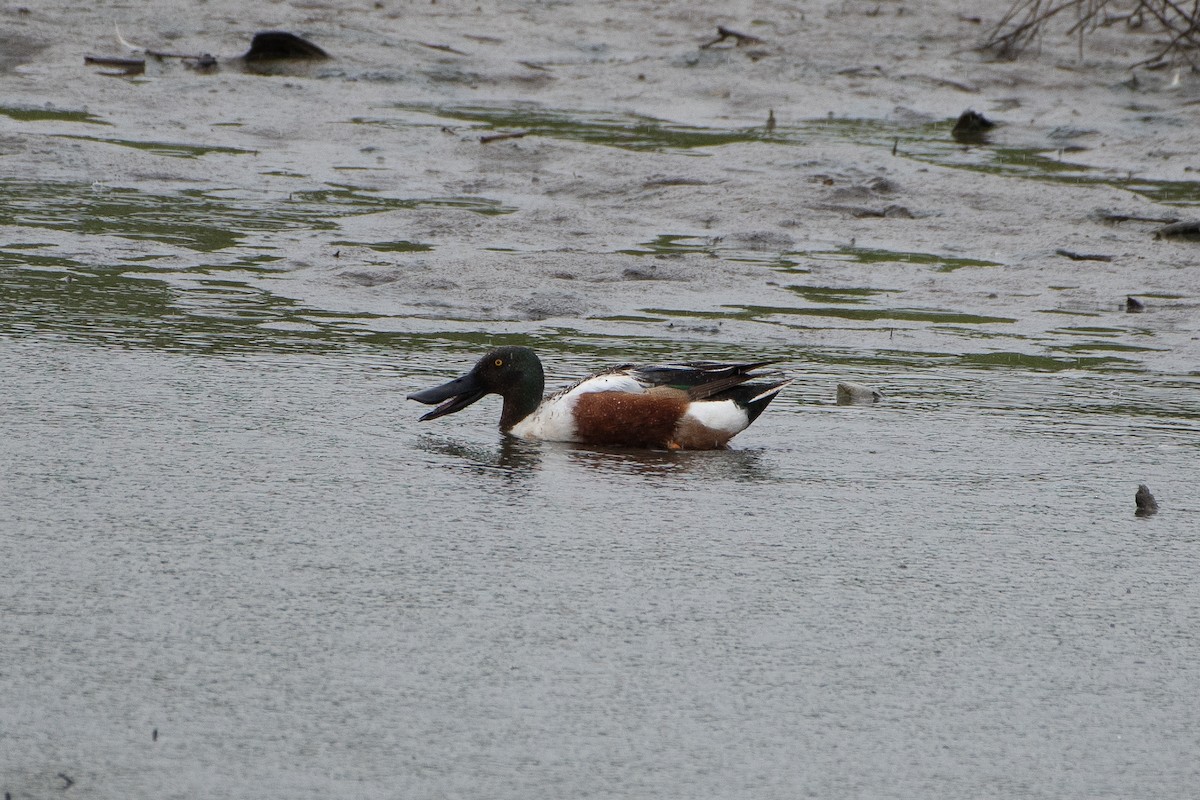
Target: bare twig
500,137
444,48
1025,21
740,39
1071,254
1116,219
1011,44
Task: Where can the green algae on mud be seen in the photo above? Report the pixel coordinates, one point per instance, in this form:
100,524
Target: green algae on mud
760,313
866,255
1040,363
785,259
835,294
928,142
195,219
170,149
28,114
625,131
340,198
188,219
1116,347
142,307
400,246
213,310
207,222
674,245
932,143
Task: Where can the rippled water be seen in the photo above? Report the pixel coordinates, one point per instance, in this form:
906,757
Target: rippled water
260,556
236,566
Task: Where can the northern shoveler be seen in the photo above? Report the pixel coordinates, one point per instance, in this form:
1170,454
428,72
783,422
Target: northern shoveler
695,406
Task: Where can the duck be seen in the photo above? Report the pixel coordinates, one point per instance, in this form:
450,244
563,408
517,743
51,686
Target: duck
697,405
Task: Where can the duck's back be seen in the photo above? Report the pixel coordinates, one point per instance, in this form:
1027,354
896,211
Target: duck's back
694,406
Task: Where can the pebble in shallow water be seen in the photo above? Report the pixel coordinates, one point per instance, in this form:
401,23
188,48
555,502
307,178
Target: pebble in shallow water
1146,504
854,394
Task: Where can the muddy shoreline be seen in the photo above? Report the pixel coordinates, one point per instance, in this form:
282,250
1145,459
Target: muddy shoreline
647,180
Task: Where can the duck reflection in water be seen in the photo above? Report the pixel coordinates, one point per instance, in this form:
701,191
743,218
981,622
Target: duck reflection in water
519,459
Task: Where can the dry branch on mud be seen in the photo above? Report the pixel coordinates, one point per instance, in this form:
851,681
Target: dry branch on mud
1026,20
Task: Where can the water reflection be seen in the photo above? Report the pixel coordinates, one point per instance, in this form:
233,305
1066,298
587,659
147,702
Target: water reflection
513,458
736,465
517,460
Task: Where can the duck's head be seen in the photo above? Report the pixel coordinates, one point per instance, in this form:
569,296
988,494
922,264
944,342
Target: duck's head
514,373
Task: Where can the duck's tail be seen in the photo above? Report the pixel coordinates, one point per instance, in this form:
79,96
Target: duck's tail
753,397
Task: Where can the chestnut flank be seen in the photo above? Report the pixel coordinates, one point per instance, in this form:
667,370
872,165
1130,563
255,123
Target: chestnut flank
633,420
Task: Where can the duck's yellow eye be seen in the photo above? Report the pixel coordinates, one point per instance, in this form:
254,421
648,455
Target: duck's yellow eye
499,362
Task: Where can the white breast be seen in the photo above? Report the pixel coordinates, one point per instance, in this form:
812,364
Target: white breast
554,419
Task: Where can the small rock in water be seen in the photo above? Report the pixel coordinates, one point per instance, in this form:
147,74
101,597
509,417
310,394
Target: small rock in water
852,394
1134,306
1188,230
205,62
1146,504
276,45
971,127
